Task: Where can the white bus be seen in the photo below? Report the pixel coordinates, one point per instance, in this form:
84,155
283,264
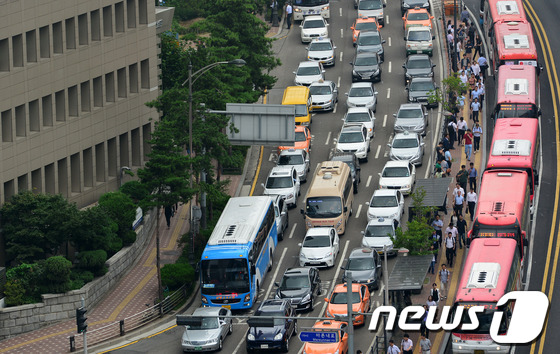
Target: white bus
303,8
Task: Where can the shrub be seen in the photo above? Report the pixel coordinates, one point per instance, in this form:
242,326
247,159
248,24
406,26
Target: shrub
14,292
28,276
175,275
80,277
56,272
93,261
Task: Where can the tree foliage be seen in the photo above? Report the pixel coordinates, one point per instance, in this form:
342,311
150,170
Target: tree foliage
447,95
96,230
122,211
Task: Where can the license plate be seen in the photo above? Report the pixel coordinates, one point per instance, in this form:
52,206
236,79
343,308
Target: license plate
479,352
315,107
197,348
264,346
227,307
315,262
418,52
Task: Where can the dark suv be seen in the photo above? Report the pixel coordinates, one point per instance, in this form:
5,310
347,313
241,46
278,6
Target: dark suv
271,334
299,286
365,266
352,161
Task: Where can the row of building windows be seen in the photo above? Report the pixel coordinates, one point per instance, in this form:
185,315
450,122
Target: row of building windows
85,169
54,38
75,100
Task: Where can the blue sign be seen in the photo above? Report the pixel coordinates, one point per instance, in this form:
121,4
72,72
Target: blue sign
319,337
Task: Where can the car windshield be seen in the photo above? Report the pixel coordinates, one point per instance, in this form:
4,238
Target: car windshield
360,263
320,46
279,182
395,172
340,298
294,282
301,110
370,5
421,86
323,207
360,92
313,24
405,143
419,36
351,137
320,90
366,61
205,323
418,16
317,241
290,160
369,40
418,64
358,117
366,26
383,201
410,113
277,321
378,231
300,136
308,70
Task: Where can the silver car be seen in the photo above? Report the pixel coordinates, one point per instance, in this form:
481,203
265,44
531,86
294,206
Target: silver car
309,72
407,146
372,8
324,95
322,49
206,329
297,158
281,215
411,117
362,94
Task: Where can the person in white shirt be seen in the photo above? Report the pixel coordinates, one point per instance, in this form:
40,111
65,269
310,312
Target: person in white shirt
458,188
392,349
472,198
451,229
406,344
475,69
464,78
461,128
289,12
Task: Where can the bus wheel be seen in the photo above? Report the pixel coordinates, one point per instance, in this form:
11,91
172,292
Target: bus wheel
271,262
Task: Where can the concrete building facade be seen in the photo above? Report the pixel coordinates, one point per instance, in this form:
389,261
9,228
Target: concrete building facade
74,79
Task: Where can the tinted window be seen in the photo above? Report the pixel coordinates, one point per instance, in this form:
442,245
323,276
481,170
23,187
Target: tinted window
317,241
370,5
383,201
405,143
341,298
395,172
320,90
313,24
366,61
290,160
360,264
358,117
360,92
320,46
351,137
279,182
378,231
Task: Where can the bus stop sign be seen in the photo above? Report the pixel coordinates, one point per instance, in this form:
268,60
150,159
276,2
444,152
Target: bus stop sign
319,337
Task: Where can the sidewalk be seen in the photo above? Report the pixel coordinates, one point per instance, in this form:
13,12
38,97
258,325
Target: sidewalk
137,288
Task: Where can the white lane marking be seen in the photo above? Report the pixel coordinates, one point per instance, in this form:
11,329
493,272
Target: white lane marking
340,11
359,211
338,83
390,66
293,229
271,156
341,33
382,288
335,105
384,120
389,41
387,19
328,138
275,273
341,55
378,150
389,92
368,181
317,303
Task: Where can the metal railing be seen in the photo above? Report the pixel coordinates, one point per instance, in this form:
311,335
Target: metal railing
377,346
121,327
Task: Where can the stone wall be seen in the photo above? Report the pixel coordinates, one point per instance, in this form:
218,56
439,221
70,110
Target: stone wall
55,307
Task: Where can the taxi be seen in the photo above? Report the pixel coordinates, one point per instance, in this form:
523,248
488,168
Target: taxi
363,24
337,303
329,329
303,140
417,17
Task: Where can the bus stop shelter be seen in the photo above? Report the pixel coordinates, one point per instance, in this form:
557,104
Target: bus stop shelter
436,194
406,278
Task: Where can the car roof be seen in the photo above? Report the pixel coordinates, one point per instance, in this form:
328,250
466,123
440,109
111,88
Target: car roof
397,164
418,57
361,252
321,83
343,156
366,19
321,40
309,63
417,9
357,110
318,231
419,28
314,17
280,171
296,271
207,311
422,79
361,84
406,135
291,152
300,128
352,127
410,106
380,221
369,33
384,192
328,324
340,288
272,305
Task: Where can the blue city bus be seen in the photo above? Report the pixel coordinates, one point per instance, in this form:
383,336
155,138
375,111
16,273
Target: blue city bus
239,253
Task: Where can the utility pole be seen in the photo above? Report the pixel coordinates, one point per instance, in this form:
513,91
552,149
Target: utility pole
386,294
81,322
350,312
454,53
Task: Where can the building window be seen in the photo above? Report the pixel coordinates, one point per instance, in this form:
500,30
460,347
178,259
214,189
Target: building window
131,13
143,12
145,73
119,17
17,50
110,87
70,25
85,97
63,177
23,183
95,25
108,21
60,106
100,162
133,78
44,42
75,178
7,135
121,82
73,101
4,55
34,120
123,149
57,38
82,29
98,92
136,146
9,190
50,181
21,126
36,181
146,137
88,168
47,111
112,157
31,46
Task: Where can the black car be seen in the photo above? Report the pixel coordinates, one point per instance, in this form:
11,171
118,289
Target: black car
299,286
365,266
410,4
366,67
351,160
418,65
268,334
421,89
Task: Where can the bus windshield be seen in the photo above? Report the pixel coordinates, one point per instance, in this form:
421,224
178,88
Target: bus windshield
306,3
516,110
324,207
225,276
484,319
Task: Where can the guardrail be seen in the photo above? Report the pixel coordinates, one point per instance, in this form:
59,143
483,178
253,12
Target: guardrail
376,348
121,327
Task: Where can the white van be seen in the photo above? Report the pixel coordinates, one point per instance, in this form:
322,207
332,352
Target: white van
419,40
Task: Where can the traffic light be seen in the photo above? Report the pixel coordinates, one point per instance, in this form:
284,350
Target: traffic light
81,319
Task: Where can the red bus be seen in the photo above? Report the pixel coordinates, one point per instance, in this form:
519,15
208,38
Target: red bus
512,43
501,11
517,92
493,268
515,145
503,207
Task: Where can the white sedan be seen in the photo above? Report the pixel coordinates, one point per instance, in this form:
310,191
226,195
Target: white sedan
309,72
313,27
385,203
360,115
399,175
319,248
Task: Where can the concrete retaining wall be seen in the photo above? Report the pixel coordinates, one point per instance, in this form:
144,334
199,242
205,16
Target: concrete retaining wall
56,307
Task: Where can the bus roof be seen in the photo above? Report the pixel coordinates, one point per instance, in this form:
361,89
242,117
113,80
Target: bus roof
515,41
506,10
329,179
486,270
514,143
240,221
517,84
501,197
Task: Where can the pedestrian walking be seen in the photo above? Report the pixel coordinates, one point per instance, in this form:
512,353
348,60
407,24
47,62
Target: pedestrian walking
472,83
462,178
481,90
444,275
406,344
461,128
477,46
483,63
461,231
477,133
289,12
168,211
452,131
425,344
475,68
393,349
450,244
475,109
424,331
473,173
435,239
469,47
437,224
446,143
472,199
465,61
434,260
468,143
463,76
448,158
458,203
273,6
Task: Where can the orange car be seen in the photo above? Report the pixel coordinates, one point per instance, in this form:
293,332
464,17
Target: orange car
417,17
303,140
331,329
363,24
338,302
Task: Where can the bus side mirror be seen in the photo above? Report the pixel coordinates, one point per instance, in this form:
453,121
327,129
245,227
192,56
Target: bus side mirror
536,176
345,209
302,212
524,237
253,269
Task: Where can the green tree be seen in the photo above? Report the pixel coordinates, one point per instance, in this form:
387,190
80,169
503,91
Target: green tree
135,190
56,272
36,225
122,211
447,95
96,230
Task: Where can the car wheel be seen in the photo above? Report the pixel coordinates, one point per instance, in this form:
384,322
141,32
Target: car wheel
366,159
220,344
295,327
286,345
230,331
355,188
